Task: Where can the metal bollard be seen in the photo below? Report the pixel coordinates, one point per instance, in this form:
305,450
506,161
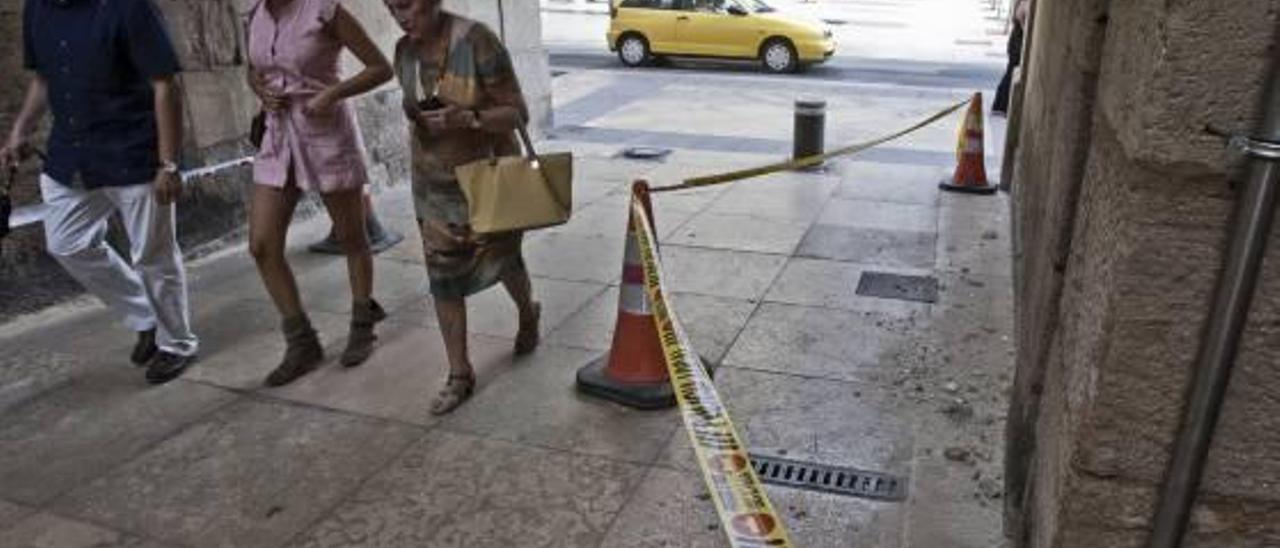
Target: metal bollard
810,129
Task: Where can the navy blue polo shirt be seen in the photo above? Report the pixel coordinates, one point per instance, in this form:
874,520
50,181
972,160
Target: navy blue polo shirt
98,58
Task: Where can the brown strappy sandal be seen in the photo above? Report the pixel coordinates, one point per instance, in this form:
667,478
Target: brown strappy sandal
457,390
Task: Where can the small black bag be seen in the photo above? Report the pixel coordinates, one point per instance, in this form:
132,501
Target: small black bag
6,203
258,129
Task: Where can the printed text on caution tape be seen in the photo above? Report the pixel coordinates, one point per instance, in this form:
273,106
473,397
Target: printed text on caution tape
748,517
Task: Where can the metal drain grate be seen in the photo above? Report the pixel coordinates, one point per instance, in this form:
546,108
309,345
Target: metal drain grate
645,153
830,479
922,289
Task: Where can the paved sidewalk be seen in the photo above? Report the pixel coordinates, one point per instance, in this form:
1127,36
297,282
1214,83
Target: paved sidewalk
764,274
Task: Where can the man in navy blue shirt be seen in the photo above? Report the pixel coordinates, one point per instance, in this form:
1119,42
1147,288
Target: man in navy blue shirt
107,71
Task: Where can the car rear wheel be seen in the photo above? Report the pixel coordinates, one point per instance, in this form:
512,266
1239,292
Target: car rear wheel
633,50
778,56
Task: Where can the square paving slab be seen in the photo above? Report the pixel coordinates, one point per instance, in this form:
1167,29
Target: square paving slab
46,530
400,380
538,404
742,233
602,219
672,509
11,514
493,313
833,284
254,474
241,342
40,355
898,183
799,200
880,215
792,417
85,429
578,258
454,490
873,247
825,343
328,289
713,323
718,273
975,236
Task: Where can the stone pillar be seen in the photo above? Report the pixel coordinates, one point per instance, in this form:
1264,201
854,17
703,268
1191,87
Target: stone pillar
1123,205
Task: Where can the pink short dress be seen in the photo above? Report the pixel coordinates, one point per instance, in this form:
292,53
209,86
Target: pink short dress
297,52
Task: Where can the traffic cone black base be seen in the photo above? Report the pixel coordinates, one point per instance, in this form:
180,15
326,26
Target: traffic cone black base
948,185
594,381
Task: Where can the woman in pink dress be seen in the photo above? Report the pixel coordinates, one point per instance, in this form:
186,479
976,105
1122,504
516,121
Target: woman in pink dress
312,143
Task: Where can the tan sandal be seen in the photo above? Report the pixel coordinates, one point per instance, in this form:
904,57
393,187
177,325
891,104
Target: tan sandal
527,338
457,390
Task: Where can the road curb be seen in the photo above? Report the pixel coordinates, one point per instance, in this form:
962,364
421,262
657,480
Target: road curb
574,10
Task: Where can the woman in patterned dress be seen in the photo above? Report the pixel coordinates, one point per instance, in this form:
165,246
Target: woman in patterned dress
311,143
471,110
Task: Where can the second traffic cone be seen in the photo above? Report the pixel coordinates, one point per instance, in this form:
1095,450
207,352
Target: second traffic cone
971,169
634,371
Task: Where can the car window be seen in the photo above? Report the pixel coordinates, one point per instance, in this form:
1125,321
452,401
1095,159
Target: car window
709,6
649,4
722,6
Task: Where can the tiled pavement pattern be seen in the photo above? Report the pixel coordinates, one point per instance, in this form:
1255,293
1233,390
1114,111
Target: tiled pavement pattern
764,275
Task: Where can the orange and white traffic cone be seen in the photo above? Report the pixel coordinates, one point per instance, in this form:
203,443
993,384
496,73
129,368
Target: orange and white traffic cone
634,371
971,169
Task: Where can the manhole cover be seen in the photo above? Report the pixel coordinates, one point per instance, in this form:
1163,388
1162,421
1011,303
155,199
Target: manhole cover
829,479
922,289
645,153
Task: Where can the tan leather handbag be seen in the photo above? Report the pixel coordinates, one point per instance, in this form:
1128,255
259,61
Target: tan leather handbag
510,193
504,193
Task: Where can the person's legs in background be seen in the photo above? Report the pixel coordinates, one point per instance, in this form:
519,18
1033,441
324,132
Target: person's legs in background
380,238
1000,105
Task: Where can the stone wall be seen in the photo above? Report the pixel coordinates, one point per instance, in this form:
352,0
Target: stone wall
1123,206
219,107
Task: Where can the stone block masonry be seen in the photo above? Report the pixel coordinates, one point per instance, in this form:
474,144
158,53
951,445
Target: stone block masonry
1122,207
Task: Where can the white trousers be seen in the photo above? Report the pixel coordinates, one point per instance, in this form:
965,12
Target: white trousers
150,293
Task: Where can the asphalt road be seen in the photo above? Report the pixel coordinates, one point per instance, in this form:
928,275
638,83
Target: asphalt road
839,69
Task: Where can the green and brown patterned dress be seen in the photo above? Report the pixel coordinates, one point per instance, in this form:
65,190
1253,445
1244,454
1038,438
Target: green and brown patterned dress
475,73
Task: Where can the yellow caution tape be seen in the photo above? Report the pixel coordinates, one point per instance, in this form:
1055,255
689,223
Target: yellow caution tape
807,161
745,512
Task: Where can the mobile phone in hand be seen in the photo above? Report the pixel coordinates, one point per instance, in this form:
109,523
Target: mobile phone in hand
431,104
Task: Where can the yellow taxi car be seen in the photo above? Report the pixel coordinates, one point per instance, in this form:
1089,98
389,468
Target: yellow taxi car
641,30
